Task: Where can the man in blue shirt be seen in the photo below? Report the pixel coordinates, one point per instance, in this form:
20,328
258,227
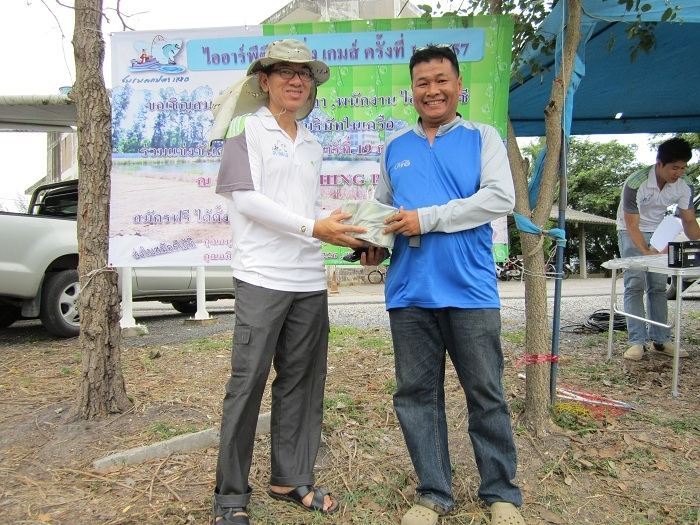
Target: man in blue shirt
449,178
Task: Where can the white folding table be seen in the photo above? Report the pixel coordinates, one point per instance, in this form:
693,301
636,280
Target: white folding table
656,264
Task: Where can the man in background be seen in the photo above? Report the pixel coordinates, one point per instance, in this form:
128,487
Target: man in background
646,195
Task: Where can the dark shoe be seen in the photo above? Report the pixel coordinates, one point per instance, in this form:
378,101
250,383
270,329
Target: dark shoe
226,516
668,348
297,495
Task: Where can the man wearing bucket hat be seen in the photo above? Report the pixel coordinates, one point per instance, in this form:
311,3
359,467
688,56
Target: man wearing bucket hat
269,174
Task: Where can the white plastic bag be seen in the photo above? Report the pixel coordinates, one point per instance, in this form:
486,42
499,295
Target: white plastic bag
370,214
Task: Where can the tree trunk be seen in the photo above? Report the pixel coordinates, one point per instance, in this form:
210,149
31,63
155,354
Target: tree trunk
102,388
537,325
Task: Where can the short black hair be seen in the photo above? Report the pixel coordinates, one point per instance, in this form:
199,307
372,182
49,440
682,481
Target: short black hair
673,150
433,52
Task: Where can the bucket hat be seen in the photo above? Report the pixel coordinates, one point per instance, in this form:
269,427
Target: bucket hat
294,52
246,95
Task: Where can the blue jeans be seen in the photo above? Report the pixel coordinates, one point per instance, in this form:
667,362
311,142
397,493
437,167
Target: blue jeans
472,339
637,284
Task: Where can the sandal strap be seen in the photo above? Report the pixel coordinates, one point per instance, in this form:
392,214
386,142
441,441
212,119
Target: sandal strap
229,517
317,501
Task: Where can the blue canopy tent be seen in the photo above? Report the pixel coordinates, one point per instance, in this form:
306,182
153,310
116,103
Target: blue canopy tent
656,93
610,93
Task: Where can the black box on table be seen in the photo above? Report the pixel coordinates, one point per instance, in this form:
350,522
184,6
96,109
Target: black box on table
684,254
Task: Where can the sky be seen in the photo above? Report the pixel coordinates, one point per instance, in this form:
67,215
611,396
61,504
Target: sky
38,60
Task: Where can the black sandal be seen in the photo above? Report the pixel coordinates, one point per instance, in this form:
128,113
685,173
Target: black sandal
228,517
297,495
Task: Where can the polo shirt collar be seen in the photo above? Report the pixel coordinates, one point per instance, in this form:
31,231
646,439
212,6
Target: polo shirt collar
444,128
270,123
651,178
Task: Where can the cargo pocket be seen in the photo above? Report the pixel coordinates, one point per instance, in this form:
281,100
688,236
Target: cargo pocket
240,359
241,335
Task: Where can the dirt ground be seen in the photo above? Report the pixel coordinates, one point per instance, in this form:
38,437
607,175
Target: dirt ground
638,466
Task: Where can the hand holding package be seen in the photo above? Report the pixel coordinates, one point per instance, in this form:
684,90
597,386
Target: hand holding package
370,214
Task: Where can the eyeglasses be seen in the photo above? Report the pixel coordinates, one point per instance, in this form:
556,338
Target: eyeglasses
288,73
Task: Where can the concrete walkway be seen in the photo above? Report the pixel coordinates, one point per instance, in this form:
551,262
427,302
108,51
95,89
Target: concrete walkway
572,287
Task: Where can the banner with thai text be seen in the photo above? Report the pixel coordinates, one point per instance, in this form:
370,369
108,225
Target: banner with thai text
164,211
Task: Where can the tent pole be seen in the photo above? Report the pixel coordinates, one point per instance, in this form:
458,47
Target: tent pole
556,323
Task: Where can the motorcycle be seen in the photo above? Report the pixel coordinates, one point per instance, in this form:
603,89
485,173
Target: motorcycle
511,268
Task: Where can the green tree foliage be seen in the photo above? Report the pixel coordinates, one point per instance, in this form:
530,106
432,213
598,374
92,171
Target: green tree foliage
596,172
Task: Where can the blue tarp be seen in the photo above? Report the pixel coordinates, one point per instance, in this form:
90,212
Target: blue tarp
658,92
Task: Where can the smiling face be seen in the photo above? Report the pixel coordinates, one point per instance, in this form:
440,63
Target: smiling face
670,172
436,89
286,93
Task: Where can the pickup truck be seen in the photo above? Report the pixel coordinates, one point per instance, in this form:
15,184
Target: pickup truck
39,261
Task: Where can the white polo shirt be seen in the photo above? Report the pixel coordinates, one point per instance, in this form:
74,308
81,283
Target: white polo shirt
273,187
641,196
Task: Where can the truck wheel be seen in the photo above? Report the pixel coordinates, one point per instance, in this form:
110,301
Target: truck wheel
185,306
8,315
59,303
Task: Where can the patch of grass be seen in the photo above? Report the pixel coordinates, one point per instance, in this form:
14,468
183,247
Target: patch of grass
344,338
520,430
640,457
690,423
594,341
164,430
691,340
597,372
66,371
517,405
691,517
516,337
208,345
619,336
574,417
610,468
339,407
340,334
390,386
147,360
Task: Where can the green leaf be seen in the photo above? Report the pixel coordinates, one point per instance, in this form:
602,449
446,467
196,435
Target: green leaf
645,8
667,14
611,43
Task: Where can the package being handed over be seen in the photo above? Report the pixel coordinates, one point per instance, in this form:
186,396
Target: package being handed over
370,214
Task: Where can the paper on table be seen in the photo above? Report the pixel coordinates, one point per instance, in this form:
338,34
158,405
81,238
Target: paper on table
665,232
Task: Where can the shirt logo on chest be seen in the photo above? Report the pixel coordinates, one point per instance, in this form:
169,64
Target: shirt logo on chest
280,150
402,164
